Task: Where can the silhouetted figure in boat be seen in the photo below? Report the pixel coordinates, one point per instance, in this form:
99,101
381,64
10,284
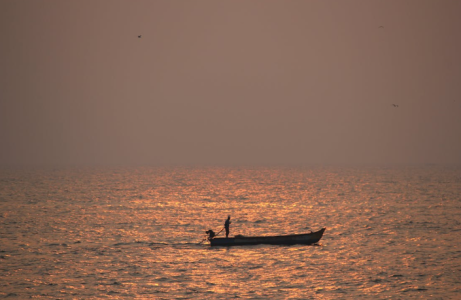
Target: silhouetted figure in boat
211,234
226,226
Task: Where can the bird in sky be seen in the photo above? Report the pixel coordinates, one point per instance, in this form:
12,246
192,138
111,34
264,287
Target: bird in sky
395,105
139,36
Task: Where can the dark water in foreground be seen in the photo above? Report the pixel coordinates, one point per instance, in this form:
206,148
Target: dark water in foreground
134,233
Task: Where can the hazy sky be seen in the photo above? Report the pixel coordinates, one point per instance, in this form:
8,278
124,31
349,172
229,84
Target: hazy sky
230,82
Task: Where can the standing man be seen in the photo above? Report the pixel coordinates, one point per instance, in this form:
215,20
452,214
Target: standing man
226,226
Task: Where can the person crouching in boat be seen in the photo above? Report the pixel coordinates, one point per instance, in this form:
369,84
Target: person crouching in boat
211,234
226,226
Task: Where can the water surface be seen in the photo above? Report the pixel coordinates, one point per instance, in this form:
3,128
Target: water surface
392,232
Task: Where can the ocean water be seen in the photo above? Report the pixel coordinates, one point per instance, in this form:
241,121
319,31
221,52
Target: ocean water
123,233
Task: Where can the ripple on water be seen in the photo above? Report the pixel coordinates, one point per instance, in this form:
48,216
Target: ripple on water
130,233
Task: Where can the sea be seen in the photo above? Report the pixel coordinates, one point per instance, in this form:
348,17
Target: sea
392,232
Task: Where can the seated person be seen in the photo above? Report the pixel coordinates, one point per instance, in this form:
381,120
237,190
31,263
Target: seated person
210,233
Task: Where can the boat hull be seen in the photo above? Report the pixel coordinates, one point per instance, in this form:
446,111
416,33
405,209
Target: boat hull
306,239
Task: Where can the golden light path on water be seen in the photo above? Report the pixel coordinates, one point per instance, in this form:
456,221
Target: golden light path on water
134,233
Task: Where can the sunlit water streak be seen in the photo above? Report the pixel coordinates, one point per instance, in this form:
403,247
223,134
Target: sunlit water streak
135,233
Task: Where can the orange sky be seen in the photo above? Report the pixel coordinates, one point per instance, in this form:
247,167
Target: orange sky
230,82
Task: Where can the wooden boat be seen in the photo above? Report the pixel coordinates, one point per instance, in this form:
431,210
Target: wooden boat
307,238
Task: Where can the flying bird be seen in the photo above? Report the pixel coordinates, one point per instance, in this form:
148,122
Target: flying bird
381,26
395,105
139,36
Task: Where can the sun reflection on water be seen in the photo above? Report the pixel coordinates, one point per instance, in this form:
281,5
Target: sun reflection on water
135,233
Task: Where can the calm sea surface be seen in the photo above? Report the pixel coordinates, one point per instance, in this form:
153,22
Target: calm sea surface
120,233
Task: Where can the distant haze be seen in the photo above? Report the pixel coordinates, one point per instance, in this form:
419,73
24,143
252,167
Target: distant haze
230,82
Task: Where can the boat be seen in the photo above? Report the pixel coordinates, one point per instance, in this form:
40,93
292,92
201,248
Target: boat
306,239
